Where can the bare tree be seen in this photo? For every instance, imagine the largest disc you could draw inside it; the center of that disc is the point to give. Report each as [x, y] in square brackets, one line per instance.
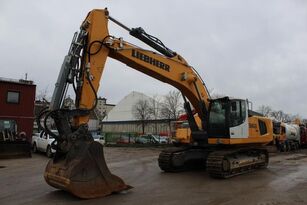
[141, 112]
[281, 116]
[172, 106]
[287, 117]
[296, 119]
[276, 114]
[42, 95]
[265, 110]
[154, 109]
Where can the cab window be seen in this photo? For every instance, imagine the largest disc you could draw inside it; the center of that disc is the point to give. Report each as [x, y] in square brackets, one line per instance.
[217, 119]
[237, 112]
[217, 113]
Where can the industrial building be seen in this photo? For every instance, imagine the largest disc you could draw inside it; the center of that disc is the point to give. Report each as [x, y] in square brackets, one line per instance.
[121, 118]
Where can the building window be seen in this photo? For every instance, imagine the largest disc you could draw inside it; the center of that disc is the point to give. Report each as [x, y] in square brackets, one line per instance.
[12, 97]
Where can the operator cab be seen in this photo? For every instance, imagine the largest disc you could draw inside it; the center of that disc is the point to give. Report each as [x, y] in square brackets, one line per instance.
[228, 118]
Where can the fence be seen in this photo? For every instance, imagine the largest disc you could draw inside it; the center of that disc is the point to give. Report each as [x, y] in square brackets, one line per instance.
[120, 137]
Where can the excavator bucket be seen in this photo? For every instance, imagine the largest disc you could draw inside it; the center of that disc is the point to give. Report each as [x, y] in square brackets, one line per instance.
[83, 172]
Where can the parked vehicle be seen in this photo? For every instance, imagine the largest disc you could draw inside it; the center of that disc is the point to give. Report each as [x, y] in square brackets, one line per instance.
[287, 136]
[160, 139]
[303, 132]
[145, 139]
[151, 139]
[42, 142]
[125, 140]
[98, 137]
[141, 140]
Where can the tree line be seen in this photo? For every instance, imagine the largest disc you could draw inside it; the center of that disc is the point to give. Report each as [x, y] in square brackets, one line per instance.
[279, 115]
[170, 107]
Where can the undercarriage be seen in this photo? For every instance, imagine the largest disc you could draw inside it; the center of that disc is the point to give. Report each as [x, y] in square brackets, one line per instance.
[220, 162]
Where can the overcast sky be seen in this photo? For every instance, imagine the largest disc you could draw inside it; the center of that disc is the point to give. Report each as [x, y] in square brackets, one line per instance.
[248, 49]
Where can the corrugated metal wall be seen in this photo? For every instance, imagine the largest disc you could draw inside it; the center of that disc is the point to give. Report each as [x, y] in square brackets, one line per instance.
[162, 127]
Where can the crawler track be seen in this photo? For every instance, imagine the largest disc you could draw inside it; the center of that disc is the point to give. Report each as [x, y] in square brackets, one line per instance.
[223, 163]
[226, 164]
[182, 158]
[167, 158]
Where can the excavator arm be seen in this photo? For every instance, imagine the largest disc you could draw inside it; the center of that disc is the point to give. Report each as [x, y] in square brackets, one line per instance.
[98, 45]
[170, 68]
[79, 166]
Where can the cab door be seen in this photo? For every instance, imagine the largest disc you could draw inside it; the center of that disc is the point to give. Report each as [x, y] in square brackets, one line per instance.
[238, 123]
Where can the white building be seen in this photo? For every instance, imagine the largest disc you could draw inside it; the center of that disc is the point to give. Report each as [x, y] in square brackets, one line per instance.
[122, 119]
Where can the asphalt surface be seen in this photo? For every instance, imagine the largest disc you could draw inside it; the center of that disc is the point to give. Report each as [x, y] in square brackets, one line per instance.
[283, 182]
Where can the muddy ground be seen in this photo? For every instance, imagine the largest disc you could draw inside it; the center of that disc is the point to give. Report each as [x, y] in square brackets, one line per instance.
[283, 182]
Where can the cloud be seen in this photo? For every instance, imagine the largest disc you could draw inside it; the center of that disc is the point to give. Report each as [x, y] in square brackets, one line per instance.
[248, 49]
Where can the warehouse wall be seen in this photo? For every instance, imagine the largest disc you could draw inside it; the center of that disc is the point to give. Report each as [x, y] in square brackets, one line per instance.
[133, 126]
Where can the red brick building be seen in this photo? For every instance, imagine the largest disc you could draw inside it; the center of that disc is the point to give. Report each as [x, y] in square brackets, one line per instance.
[17, 105]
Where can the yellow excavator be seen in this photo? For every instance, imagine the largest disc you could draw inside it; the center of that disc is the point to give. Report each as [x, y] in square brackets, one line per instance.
[227, 139]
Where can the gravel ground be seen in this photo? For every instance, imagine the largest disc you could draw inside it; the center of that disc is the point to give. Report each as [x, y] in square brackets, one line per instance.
[283, 182]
